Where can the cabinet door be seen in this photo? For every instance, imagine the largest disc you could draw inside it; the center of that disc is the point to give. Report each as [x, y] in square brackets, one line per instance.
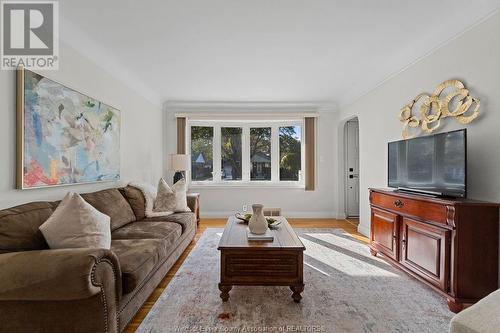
[384, 232]
[425, 251]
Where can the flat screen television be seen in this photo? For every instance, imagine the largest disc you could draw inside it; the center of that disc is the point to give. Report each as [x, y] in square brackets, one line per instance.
[434, 164]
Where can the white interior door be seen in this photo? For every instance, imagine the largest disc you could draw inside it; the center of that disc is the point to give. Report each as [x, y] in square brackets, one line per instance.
[352, 168]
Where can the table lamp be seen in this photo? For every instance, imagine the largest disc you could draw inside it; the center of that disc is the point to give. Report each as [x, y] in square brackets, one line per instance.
[179, 163]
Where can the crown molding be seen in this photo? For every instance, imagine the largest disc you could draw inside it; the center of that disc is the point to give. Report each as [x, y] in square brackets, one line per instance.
[222, 108]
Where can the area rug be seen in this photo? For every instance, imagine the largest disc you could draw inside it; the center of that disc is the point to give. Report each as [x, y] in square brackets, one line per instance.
[346, 290]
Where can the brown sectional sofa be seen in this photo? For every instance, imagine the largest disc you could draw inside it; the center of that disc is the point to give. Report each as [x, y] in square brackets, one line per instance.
[86, 290]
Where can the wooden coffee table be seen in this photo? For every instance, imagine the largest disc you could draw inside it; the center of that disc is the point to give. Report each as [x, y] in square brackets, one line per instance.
[257, 263]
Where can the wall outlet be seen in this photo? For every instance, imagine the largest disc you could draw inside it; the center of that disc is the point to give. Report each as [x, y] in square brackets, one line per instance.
[245, 207]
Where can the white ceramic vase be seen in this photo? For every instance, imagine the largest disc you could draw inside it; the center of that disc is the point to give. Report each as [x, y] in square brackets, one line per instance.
[257, 223]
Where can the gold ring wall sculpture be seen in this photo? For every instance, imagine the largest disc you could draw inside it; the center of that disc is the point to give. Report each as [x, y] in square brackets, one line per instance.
[433, 108]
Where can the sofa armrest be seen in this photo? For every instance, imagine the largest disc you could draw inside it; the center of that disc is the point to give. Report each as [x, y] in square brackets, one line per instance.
[479, 317]
[58, 275]
[193, 201]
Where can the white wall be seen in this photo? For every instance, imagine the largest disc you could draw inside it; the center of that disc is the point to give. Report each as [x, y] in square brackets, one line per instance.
[141, 128]
[224, 201]
[473, 58]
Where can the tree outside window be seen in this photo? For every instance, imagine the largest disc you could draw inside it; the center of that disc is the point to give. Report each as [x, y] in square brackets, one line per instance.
[202, 153]
[231, 153]
[260, 153]
[290, 152]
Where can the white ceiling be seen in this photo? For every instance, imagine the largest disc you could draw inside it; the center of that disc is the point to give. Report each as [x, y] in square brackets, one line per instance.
[262, 50]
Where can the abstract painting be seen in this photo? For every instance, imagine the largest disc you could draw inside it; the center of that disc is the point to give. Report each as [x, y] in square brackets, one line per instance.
[63, 137]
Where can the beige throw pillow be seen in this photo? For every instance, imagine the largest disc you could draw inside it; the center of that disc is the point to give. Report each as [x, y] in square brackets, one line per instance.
[165, 198]
[171, 199]
[76, 224]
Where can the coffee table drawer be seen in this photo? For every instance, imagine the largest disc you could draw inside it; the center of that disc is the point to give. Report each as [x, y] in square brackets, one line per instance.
[261, 265]
[260, 268]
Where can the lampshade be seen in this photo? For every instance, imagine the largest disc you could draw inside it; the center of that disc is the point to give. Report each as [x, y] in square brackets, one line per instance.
[178, 162]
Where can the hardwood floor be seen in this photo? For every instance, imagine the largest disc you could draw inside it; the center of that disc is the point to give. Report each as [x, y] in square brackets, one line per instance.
[349, 226]
[354, 220]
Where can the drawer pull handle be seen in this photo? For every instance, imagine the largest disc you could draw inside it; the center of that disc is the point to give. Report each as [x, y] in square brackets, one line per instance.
[398, 203]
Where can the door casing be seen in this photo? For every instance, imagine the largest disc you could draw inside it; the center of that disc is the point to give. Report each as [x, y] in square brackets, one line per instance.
[351, 168]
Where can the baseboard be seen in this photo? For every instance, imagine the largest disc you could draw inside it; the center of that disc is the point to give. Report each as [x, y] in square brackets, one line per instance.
[364, 230]
[341, 216]
[318, 215]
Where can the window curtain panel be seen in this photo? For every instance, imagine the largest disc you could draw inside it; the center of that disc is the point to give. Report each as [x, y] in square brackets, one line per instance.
[181, 135]
[310, 147]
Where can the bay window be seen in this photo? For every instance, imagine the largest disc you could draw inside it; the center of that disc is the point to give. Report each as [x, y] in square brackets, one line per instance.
[246, 152]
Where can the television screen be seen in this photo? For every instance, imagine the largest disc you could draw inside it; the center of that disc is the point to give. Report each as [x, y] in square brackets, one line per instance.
[434, 164]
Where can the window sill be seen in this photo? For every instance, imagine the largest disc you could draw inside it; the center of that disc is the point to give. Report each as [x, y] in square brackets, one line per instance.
[259, 185]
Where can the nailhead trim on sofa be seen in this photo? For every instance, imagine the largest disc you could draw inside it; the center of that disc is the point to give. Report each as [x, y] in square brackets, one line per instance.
[103, 295]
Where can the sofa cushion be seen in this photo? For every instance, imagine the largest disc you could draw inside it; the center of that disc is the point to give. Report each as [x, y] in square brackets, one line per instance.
[77, 224]
[138, 258]
[184, 219]
[169, 231]
[136, 200]
[19, 227]
[180, 189]
[112, 203]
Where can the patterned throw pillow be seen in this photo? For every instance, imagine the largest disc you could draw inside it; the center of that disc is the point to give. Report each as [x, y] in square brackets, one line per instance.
[171, 199]
[76, 224]
[165, 198]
